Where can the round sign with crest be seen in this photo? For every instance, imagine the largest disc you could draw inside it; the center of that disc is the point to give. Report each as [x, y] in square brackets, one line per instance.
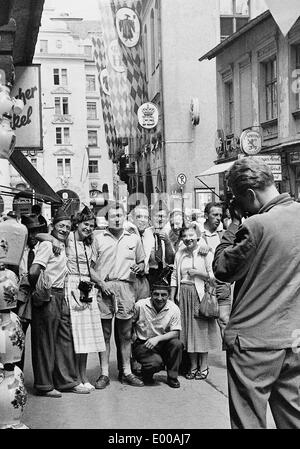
[128, 26]
[181, 179]
[251, 142]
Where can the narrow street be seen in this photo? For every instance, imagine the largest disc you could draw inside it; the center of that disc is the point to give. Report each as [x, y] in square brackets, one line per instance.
[196, 405]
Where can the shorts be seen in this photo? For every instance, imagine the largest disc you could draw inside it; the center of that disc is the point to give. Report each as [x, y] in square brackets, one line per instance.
[123, 294]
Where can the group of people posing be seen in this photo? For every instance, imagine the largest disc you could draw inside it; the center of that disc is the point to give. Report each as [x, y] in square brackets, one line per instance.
[144, 273]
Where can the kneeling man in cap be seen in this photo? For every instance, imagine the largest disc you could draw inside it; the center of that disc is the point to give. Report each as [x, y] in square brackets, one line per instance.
[157, 324]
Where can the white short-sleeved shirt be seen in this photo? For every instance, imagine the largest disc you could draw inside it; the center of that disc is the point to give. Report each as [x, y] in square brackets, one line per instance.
[55, 266]
[113, 256]
[150, 323]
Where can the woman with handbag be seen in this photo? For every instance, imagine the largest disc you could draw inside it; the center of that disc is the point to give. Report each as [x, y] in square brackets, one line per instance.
[81, 293]
[190, 279]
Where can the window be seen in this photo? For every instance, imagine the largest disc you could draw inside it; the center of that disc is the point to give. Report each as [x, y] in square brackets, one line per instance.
[296, 76]
[58, 43]
[56, 76]
[234, 14]
[57, 105]
[87, 49]
[152, 42]
[93, 166]
[146, 51]
[64, 167]
[65, 106]
[61, 105]
[270, 69]
[91, 111]
[90, 83]
[229, 105]
[92, 138]
[62, 136]
[43, 46]
[58, 136]
[64, 80]
[60, 77]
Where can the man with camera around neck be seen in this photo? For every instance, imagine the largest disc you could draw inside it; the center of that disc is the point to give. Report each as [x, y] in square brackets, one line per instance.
[53, 357]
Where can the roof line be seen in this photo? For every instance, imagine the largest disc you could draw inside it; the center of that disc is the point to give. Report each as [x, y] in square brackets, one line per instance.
[212, 53]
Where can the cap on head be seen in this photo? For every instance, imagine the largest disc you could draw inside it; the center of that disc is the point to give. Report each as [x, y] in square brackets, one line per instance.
[160, 284]
[60, 216]
[31, 221]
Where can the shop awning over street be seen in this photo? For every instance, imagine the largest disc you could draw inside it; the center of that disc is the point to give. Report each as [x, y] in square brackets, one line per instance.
[42, 190]
[217, 168]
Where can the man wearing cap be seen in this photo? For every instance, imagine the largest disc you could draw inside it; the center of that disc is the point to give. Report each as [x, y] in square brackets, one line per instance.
[24, 294]
[157, 325]
[53, 356]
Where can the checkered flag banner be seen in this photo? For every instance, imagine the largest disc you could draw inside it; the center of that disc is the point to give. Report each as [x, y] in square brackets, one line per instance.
[108, 118]
[127, 19]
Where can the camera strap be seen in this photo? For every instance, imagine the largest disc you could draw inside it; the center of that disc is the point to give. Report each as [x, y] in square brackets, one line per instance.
[77, 259]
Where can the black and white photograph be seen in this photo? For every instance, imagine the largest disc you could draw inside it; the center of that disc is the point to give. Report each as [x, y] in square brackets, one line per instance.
[149, 218]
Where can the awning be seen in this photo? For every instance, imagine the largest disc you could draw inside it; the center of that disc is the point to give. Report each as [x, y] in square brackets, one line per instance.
[42, 190]
[217, 168]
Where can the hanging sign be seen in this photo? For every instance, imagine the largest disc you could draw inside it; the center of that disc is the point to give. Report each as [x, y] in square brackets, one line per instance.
[28, 125]
[128, 26]
[251, 142]
[148, 115]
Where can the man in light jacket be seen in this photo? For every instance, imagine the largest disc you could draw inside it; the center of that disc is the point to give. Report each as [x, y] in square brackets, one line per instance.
[263, 256]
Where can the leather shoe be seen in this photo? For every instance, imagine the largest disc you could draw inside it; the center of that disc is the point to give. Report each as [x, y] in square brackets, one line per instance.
[49, 394]
[102, 382]
[173, 383]
[132, 380]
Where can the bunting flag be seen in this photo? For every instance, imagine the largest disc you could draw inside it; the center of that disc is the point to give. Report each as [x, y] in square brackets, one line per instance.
[108, 118]
[127, 15]
[285, 14]
[117, 80]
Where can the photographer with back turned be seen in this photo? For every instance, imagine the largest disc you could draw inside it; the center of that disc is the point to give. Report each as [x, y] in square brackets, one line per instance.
[262, 255]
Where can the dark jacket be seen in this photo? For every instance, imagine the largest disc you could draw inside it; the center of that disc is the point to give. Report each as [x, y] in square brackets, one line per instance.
[263, 256]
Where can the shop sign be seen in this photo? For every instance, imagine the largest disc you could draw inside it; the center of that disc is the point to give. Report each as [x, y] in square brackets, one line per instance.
[148, 115]
[274, 162]
[28, 125]
[251, 142]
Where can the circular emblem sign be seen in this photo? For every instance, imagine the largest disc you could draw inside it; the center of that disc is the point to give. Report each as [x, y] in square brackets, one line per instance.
[251, 142]
[128, 26]
[115, 56]
[104, 81]
[181, 179]
[148, 115]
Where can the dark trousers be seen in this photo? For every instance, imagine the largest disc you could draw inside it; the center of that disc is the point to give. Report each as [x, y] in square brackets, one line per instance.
[166, 353]
[256, 377]
[53, 356]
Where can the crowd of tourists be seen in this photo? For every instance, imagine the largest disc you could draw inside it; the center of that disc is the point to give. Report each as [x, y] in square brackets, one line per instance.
[146, 276]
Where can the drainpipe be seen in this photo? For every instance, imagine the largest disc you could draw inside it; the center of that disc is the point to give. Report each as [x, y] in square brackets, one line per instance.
[161, 81]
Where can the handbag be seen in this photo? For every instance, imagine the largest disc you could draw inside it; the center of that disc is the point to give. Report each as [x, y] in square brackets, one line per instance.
[208, 307]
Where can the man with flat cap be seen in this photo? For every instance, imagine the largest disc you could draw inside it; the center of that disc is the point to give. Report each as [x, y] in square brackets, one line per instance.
[53, 356]
[157, 324]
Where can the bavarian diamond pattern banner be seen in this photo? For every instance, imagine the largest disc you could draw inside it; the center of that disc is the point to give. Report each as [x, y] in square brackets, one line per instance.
[119, 87]
[127, 15]
[108, 117]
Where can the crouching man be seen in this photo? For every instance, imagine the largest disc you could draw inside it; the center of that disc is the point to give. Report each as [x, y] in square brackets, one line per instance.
[157, 324]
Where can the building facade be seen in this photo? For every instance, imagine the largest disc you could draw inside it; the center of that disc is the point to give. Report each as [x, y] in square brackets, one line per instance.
[75, 159]
[258, 89]
[185, 92]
